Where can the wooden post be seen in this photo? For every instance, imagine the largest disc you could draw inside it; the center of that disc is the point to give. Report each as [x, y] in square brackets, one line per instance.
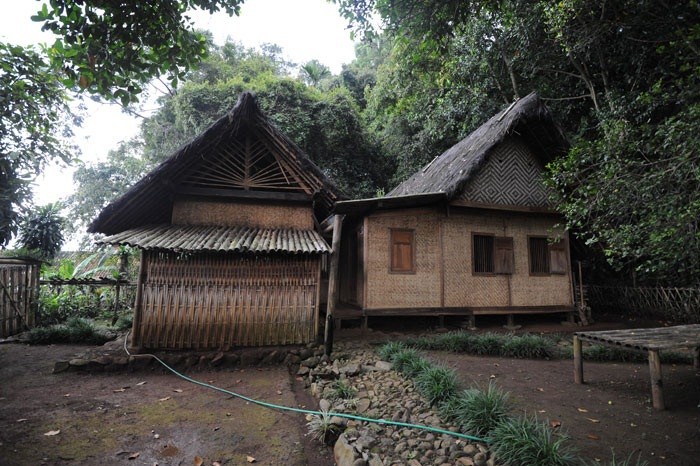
[333, 281]
[578, 361]
[657, 395]
[138, 305]
[696, 358]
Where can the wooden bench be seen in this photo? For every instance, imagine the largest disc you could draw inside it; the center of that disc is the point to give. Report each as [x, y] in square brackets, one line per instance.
[649, 340]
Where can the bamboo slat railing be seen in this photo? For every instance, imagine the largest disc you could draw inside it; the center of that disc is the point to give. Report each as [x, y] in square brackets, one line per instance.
[680, 305]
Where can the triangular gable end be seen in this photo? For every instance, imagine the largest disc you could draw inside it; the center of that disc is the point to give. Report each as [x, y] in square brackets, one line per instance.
[511, 176]
[245, 162]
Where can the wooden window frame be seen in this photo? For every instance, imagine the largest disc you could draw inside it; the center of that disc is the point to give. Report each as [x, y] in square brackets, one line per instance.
[392, 241]
[500, 245]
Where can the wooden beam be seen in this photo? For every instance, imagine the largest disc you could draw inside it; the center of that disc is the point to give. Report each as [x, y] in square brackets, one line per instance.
[509, 208]
[333, 281]
[241, 194]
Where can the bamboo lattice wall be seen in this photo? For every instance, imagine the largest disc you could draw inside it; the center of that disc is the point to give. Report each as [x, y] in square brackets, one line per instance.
[19, 285]
[679, 305]
[208, 301]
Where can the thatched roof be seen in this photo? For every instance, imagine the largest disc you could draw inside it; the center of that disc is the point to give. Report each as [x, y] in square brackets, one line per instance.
[448, 173]
[150, 200]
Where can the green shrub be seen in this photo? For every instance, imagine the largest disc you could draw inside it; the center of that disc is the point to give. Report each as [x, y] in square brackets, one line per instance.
[436, 383]
[477, 412]
[524, 441]
[124, 322]
[75, 330]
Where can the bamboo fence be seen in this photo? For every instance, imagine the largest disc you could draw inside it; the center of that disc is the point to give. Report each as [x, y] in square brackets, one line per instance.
[19, 286]
[208, 301]
[680, 305]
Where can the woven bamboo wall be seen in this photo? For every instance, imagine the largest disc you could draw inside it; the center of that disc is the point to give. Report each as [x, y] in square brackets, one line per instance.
[401, 290]
[209, 301]
[462, 288]
[250, 214]
[454, 262]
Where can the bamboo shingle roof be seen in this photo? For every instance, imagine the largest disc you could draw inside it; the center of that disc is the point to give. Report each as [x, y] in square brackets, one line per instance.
[448, 173]
[283, 170]
[198, 238]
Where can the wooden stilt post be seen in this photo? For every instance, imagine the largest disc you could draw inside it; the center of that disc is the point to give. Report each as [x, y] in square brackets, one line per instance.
[696, 358]
[578, 361]
[657, 394]
[333, 282]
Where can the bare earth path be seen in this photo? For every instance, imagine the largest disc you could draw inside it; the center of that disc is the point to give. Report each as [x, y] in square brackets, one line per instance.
[150, 417]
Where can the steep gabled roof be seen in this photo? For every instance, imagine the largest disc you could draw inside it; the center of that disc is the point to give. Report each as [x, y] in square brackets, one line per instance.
[273, 163]
[448, 173]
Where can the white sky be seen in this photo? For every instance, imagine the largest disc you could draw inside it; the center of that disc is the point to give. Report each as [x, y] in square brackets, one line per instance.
[305, 29]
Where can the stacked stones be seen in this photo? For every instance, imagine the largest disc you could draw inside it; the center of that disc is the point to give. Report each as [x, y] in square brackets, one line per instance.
[381, 393]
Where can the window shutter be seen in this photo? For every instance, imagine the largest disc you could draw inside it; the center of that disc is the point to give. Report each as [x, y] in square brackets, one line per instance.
[402, 253]
[504, 262]
[557, 257]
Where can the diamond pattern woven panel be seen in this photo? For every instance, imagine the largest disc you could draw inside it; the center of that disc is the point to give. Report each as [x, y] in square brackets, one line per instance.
[510, 176]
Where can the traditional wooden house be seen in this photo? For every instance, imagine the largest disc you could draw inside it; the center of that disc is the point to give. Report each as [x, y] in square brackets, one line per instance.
[227, 227]
[471, 233]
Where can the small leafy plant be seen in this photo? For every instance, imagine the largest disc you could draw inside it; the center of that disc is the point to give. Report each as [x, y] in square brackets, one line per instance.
[322, 429]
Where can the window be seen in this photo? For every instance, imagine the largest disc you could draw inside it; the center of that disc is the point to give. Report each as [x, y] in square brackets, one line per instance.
[547, 257]
[483, 254]
[539, 255]
[402, 251]
[492, 254]
[557, 256]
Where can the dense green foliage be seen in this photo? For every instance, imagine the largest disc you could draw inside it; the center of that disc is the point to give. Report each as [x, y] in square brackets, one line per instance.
[33, 117]
[114, 48]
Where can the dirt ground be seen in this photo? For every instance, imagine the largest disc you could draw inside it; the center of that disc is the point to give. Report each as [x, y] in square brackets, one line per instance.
[109, 418]
[145, 418]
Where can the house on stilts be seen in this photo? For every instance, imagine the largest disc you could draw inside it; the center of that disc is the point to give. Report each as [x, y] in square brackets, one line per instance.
[228, 229]
[471, 233]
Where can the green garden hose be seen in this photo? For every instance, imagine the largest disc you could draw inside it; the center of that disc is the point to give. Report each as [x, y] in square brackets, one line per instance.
[307, 411]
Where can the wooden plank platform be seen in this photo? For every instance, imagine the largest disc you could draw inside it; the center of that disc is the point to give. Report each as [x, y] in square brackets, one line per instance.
[649, 340]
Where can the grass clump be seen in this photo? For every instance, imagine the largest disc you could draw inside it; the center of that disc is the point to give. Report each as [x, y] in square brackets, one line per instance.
[405, 358]
[524, 441]
[436, 383]
[322, 429]
[341, 390]
[388, 350]
[477, 412]
[629, 461]
[528, 346]
[75, 330]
